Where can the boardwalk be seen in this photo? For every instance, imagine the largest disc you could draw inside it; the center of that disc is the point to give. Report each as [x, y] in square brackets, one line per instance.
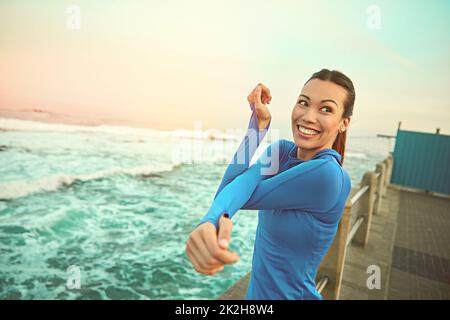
[421, 256]
[409, 241]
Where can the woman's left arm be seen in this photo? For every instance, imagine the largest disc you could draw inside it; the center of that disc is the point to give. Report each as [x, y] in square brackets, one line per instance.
[311, 185]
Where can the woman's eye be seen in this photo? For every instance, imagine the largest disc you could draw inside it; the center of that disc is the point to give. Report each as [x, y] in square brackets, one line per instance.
[302, 103]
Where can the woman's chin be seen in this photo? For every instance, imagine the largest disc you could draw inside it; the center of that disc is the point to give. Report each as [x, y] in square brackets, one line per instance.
[304, 141]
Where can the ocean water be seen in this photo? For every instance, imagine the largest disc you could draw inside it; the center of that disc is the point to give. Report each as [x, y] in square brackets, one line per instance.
[116, 204]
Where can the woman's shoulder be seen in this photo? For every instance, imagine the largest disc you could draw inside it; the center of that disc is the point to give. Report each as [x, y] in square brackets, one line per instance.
[281, 146]
[282, 142]
[285, 145]
[336, 177]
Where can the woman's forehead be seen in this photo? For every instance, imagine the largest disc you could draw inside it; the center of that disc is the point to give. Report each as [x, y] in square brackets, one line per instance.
[318, 90]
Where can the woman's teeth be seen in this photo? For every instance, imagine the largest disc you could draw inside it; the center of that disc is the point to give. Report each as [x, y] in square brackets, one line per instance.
[307, 131]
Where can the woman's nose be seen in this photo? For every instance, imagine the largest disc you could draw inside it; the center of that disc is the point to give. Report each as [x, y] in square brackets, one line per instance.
[309, 115]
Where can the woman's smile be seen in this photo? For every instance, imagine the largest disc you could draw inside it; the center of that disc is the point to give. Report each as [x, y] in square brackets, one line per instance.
[306, 133]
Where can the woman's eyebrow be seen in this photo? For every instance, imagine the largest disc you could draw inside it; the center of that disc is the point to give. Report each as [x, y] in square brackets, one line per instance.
[326, 100]
[304, 96]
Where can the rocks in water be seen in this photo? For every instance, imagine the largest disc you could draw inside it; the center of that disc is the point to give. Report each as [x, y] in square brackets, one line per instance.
[151, 175]
[5, 148]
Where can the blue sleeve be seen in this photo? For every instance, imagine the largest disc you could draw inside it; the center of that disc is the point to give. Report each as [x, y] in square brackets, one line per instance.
[310, 186]
[313, 186]
[245, 152]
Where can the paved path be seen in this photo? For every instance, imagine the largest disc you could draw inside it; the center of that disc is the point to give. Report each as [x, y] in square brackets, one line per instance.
[378, 252]
[421, 256]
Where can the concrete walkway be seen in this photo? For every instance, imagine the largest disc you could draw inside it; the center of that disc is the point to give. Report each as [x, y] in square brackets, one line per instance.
[378, 252]
[421, 256]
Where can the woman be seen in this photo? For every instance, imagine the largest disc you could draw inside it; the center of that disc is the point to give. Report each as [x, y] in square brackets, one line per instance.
[300, 198]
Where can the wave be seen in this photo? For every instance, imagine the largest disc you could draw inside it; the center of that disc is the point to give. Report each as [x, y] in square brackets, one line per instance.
[8, 124]
[19, 189]
[204, 135]
[356, 155]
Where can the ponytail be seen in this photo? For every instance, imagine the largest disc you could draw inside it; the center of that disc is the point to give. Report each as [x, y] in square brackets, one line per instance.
[339, 144]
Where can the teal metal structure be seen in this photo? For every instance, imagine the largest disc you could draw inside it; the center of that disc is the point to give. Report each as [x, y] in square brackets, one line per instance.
[422, 160]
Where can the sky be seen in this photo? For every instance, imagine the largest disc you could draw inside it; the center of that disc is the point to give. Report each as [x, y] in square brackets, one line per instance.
[171, 64]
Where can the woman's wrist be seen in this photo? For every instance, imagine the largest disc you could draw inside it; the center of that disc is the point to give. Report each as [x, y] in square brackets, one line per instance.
[262, 124]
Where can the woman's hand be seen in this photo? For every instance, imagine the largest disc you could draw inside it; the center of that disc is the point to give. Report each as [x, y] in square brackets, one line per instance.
[207, 250]
[258, 99]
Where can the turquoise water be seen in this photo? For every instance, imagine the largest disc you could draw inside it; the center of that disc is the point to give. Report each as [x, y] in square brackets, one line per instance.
[117, 203]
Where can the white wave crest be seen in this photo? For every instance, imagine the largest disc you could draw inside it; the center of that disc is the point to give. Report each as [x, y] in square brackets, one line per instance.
[28, 125]
[8, 124]
[18, 189]
[356, 155]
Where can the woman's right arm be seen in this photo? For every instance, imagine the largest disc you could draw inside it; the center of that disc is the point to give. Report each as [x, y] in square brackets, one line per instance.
[247, 148]
[257, 127]
[202, 246]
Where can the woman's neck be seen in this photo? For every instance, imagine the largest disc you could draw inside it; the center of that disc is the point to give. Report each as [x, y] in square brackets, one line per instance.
[307, 154]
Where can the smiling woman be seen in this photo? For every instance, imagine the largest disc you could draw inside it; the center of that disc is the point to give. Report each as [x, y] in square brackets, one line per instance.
[300, 202]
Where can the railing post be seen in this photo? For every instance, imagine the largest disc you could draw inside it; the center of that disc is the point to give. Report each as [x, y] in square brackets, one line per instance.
[389, 165]
[381, 168]
[385, 182]
[332, 266]
[366, 209]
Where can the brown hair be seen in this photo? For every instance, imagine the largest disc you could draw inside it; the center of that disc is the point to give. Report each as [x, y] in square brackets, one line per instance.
[341, 80]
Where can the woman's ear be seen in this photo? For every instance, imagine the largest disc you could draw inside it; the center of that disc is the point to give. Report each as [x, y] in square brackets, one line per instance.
[345, 123]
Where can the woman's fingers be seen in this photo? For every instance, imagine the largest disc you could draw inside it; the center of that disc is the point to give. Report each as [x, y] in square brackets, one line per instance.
[262, 111]
[257, 96]
[266, 97]
[225, 229]
[193, 259]
[204, 257]
[204, 252]
[218, 269]
[223, 255]
[199, 256]
[250, 98]
[192, 256]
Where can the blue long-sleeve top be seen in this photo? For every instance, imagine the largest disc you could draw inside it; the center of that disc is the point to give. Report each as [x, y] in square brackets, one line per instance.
[300, 204]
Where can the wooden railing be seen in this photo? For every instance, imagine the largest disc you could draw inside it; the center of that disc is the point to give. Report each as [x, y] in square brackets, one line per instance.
[363, 201]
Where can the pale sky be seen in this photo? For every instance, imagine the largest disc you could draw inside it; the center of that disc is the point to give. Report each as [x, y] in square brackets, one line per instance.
[168, 64]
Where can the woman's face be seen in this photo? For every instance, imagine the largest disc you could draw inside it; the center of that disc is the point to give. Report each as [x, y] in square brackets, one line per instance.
[319, 107]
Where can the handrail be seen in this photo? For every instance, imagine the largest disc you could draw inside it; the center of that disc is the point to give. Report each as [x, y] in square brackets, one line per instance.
[333, 268]
[355, 227]
[359, 194]
[321, 284]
